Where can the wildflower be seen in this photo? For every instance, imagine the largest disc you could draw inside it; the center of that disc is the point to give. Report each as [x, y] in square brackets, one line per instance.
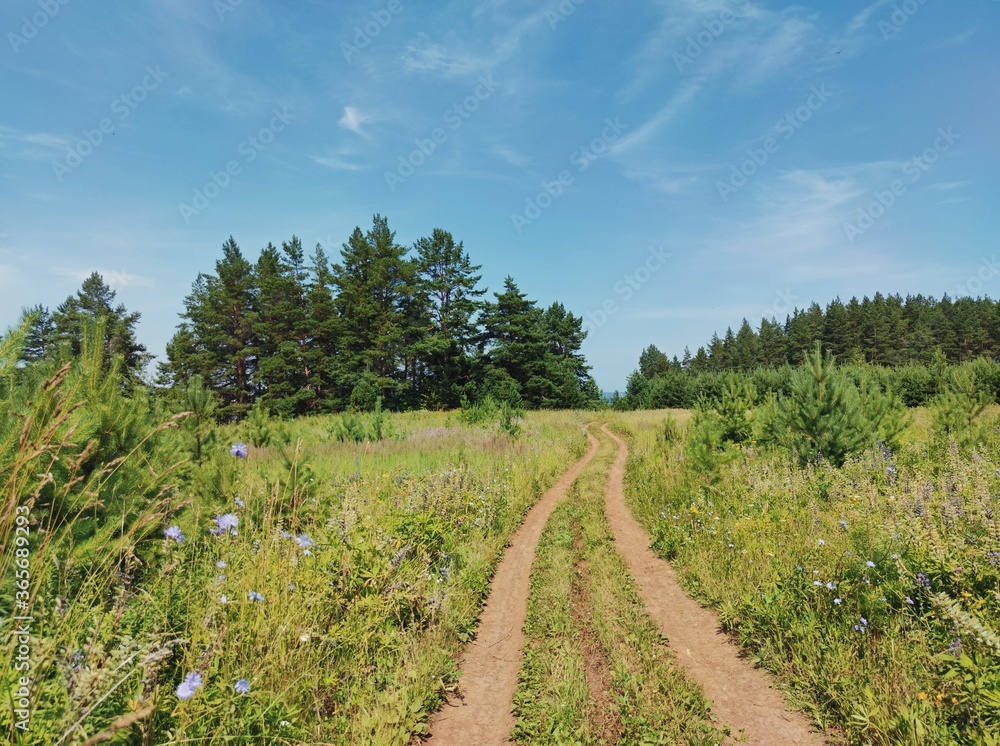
[869, 563]
[843, 525]
[831, 585]
[221, 564]
[239, 450]
[304, 541]
[254, 596]
[240, 503]
[817, 583]
[224, 523]
[224, 599]
[994, 558]
[838, 601]
[242, 686]
[187, 688]
[922, 696]
[822, 543]
[909, 601]
[955, 648]
[923, 580]
[174, 532]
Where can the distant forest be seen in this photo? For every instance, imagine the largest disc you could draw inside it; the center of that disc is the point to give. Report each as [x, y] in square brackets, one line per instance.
[406, 327]
[902, 343]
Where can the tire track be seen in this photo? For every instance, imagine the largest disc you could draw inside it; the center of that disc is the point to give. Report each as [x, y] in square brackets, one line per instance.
[742, 696]
[480, 715]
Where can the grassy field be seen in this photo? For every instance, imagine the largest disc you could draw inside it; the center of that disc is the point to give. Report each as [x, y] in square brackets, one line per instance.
[314, 592]
[870, 590]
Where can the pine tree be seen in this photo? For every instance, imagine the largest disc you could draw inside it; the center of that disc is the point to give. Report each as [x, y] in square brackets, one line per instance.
[448, 293]
[653, 363]
[375, 284]
[92, 306]
[39, 335]
[216, 340]
[516, 345]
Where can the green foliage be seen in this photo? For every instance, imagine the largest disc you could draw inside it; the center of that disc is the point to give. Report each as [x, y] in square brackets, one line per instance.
[826, 416]
[354, 427]
[510, 418]
[958, 406]
[706, 448]
[199, 425]
[735, 410]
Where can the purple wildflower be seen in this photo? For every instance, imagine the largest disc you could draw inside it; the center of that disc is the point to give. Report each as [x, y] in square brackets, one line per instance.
[239, 450]
[304, 541]
[242, 686]
[831, 585]
[174, 532]
[187, 688]
[221, 564]
[254, 596]
[923, 580]
[955, 648]
[869, 563]
[224, 523]
[822, 543]
[909, 601]
[838, 601]
[240, 503]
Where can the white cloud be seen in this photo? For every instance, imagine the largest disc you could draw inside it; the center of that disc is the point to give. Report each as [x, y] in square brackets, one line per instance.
[336, 163]
[861, 18]
[117, 279]
[353, 119]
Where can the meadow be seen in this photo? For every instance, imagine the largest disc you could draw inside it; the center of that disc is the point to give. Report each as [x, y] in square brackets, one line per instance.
[170, 580]
[311, 590]
[870, 590]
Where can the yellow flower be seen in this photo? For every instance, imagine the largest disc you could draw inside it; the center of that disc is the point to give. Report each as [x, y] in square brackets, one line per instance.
[922, 696]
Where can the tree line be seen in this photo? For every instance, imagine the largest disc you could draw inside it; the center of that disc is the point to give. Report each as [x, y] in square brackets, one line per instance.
[409, 327]
[882, 330]
[903, 345]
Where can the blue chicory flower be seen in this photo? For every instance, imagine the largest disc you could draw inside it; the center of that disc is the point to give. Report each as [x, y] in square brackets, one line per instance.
[225, 523]
[187, 688]
[174, 532]
[242, 686]
[239, 450]
[254, 596]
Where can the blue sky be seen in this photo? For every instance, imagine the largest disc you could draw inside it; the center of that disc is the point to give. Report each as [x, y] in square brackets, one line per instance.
[663, 168]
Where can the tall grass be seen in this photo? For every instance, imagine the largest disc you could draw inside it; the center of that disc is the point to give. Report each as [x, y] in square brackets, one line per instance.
[316, 591]
[872, 590]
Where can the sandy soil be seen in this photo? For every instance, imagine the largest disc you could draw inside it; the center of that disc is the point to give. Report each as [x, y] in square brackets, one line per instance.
[742, 696]
[480, 715]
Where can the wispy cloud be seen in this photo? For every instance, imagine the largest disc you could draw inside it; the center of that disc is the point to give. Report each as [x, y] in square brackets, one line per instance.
[336, 163]
[352, 120]
[117, 279]
[33, 145]
[861, 19]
